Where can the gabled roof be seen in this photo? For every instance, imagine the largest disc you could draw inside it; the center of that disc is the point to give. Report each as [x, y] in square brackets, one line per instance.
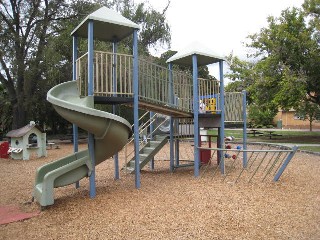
[107, 25]
[205, 55]
[23, 131]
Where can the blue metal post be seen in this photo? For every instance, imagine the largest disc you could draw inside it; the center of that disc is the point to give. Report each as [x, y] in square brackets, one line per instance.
[285, 164]
[151, 137]
[244, 104]
[177, 163]
[90, 93]
[196, 115]
[222, 144]
[74, 78]
[136, 107]
[171, 93]
[114, 107]
[171, 101]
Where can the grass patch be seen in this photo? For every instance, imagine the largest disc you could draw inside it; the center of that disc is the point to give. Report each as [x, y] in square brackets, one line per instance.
[289, 136]
[310, 148]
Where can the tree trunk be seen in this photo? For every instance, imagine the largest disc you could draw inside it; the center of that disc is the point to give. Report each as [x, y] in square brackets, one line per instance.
[310, 125]
[19, 114]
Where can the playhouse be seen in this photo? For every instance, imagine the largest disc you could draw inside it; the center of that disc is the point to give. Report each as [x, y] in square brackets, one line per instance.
[26, 141]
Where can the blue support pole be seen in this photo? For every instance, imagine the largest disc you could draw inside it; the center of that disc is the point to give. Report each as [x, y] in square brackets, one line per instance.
[151, 138]
[114, 107]
[90, 58]
[136, 107]
[74, 78]
[171, 93]
[196, 115]
[171, 101]
[177, 152]
[171, 145]
[92, 178]
[222, 143]
[244, 104]
[285, 164]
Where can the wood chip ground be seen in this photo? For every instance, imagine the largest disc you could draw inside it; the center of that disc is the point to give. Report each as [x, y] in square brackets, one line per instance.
[168, 205]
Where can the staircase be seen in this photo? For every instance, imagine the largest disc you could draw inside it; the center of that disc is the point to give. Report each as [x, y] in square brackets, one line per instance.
[147, 152]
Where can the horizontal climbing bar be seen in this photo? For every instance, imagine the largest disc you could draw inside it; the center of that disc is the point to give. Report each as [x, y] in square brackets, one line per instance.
[246, 150]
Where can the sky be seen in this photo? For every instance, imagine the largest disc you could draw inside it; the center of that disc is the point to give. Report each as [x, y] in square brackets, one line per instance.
[218, 25]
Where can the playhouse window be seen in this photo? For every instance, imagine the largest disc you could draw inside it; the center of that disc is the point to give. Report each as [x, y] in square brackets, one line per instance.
[33, 140]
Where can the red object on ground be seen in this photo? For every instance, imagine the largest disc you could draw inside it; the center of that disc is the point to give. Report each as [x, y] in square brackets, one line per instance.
[205, 156]
[4, 147]
[11, 213]
[234, 156]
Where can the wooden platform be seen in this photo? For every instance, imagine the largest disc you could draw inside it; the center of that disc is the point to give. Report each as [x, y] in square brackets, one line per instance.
[170, 111]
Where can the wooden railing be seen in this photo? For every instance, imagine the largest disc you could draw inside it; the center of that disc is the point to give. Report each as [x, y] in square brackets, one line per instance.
[154, 83]
[113, 77]
[233, 107]
[106, 65]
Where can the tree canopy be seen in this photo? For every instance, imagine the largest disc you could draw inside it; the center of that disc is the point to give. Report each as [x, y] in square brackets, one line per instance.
[282, 69]
[36, 50]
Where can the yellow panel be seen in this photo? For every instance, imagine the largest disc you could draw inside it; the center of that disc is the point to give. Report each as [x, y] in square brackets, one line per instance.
[210, 105]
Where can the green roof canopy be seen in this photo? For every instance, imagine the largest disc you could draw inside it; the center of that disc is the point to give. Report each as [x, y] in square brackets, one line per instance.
[108, 25]
[205, 56]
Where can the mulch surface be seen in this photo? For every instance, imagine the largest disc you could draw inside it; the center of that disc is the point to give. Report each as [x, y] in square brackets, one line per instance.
[168, 205]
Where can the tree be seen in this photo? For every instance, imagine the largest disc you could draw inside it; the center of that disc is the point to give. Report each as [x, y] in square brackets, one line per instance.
[260, 116]
[279, 73]
[308, 110]
[288, 47]
[35, 48]
[25, 27]
[5, 116]
[312, 13]
[242, 75]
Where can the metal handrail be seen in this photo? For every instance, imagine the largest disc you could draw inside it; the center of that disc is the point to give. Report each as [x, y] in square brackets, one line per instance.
[141, 144]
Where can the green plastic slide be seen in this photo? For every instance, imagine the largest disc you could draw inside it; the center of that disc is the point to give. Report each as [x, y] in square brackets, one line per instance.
[111, 133]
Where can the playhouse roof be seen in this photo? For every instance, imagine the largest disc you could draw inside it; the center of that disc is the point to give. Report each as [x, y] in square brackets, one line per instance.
[205, 55]
[23, 131]
[108, 25]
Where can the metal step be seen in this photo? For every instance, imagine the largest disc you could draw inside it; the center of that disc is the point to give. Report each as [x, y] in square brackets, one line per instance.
[147, 152]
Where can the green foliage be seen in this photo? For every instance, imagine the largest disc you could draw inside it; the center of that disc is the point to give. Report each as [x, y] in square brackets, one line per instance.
[308, 110]
[36, 51]
[288, 52]
[291, 89]
[242, 74]
[25, 29]
[285, 62]
[260, 117]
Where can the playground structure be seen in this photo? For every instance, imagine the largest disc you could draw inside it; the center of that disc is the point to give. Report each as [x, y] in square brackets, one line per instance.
[26, 141]
[115, 78]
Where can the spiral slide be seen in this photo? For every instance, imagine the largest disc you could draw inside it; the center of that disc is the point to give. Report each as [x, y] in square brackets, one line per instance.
[111, 133]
